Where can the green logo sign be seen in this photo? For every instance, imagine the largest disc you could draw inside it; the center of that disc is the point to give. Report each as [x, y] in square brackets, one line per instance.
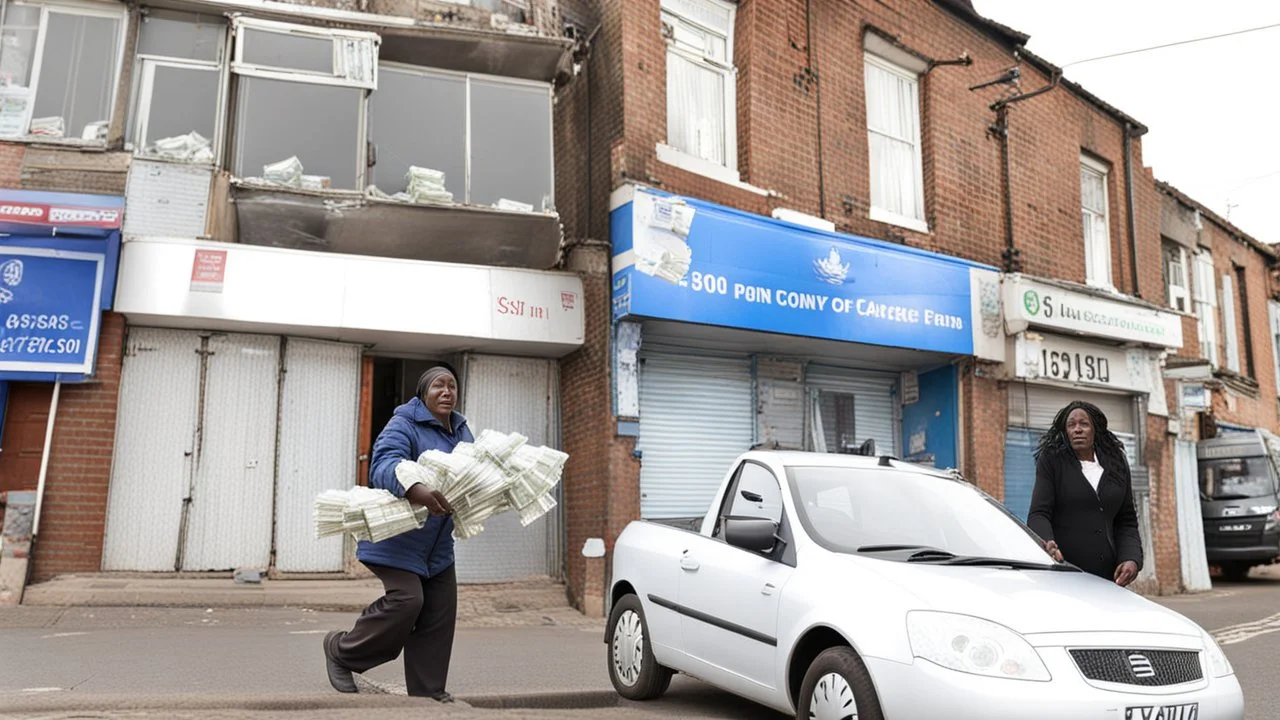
[1031, 301]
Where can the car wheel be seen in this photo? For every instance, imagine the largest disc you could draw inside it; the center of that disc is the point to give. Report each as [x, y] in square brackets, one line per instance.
[1236, 571]
[838, 687]
[632, 668]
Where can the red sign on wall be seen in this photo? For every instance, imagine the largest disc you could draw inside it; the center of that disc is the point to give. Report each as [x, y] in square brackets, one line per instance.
[208, 270]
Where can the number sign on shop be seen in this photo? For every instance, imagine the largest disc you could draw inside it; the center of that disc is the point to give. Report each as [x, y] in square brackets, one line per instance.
[1075, 366]
[48, 310]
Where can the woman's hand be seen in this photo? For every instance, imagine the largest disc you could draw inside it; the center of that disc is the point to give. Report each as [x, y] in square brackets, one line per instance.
[1126, 572]
[1052, 548]
[433, 500]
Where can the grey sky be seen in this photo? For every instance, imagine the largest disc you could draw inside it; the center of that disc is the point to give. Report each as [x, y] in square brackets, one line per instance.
[1212, 107]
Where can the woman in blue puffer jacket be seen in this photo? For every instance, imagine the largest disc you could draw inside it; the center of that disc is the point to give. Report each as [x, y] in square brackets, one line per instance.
[419, 609]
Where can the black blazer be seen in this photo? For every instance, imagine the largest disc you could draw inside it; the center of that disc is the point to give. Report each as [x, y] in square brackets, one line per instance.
[1095, 531]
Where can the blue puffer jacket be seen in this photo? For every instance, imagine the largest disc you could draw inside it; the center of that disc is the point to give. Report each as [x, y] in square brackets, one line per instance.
[412, 431]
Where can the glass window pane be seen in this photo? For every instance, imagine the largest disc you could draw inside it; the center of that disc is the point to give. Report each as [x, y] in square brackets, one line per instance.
[419, 120]
[183, 100]
[510, 143]
[77, 72]
[696, 109]
[195, 37]
[18, 45]
[281, 50]
[320, 124]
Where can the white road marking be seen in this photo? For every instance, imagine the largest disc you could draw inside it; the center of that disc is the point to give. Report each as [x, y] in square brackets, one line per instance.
[1233, 634]
[41, 690]
[63, 634]
[307, 632]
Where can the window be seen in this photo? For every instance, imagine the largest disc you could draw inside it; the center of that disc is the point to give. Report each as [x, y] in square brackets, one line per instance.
[1175, 277]
[1097, 234]
[179, 66]
[1206, 306]
[1273, 311]
[58, 71]
[301, 96]
[893, 139]
[1246, 323]
[701, 93]
[1229, 323]
[496, 149]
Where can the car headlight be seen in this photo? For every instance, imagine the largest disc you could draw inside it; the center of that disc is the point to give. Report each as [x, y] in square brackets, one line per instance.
[1219, 665]
[1272, 521]
[973, 645]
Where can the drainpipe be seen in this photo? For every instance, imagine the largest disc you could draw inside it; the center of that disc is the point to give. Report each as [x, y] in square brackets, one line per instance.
[1128, 196]
[44, 460]
[1012, 263]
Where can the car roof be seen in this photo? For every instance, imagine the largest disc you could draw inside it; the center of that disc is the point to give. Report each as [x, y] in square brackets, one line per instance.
[795, 458]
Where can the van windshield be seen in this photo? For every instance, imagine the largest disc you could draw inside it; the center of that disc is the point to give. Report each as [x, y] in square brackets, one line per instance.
[1236, 478]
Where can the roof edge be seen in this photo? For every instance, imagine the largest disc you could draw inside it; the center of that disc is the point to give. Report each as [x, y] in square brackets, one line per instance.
[1217, 219]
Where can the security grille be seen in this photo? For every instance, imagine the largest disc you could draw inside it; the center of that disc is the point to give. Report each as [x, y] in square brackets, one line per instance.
[1148, 668]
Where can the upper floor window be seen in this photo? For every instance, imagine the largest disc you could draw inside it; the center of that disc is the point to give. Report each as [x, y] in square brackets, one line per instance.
[1206, 306]
[1273, 317]
[701, 92]
[179, 86]
[1177, 286]
[59, 67]
[893, 139]
[1229, 331]
[1097, 233]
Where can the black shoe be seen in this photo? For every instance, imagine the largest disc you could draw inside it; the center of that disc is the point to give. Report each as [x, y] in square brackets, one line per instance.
[442, 697]
[339, 677]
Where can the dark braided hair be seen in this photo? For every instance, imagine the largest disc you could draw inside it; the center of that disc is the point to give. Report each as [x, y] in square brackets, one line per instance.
[1106, 445]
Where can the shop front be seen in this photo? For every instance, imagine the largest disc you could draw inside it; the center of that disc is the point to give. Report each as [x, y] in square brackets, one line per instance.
[58, 255]
[1070, 343]
[254, 378]
[735, 331]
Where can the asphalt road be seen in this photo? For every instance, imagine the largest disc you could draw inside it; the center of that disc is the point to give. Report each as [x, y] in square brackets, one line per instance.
[249, 664]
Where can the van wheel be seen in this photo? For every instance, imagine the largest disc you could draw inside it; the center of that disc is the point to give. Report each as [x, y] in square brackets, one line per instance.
[632, 669]
[838, 687]
[1236, 571]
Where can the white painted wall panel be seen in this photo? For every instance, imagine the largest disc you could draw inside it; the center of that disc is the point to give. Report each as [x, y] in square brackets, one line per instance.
[155, 434]
[167, 199]
[319, 412]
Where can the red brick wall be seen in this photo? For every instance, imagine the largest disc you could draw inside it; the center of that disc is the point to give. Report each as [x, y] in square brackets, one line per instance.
[11, 156]
[75, 503]
[985, 418]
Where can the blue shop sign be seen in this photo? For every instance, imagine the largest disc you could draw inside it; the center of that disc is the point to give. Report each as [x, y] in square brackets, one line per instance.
[682, 259]
[58, 259]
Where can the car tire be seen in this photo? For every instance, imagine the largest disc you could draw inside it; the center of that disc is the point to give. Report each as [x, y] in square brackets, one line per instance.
[835, 678]
[635, 674]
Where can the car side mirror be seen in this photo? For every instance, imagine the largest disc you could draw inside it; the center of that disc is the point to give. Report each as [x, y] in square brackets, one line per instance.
[754, 534]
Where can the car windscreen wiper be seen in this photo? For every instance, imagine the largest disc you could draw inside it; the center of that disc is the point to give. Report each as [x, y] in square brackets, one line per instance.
[895, 548]
[930, 556]
[978, 561]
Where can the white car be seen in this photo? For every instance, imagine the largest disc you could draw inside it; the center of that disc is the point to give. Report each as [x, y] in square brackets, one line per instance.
[840, 586]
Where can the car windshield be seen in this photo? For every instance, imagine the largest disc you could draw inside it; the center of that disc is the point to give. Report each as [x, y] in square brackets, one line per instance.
[1236, 478]
[851, 510]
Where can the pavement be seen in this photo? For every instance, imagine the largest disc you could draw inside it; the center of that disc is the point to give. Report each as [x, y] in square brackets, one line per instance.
[266, 662]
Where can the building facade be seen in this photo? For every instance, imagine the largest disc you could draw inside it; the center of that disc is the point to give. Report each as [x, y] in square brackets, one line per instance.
[736, 152]
[311, 203]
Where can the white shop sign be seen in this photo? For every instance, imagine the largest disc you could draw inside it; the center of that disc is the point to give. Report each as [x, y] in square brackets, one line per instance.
[1052, 357]
[1031, 303]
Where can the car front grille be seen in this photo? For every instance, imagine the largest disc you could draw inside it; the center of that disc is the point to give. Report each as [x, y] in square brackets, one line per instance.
[1148, 668]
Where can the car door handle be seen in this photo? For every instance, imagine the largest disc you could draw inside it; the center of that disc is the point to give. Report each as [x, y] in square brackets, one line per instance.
[768, 589]
[689, 564]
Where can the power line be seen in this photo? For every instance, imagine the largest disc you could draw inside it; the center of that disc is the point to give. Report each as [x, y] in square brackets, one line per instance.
[1174, 44]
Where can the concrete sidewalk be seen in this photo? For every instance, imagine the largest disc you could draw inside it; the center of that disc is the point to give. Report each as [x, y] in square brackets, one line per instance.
[538, 601]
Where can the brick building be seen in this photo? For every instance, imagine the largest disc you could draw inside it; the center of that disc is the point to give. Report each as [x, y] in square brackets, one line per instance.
[320, 199]
[895, 127]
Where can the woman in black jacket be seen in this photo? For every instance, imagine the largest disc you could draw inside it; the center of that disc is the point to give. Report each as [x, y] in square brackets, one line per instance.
[1082, 504]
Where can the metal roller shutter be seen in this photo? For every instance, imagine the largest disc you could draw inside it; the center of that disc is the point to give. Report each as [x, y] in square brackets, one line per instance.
[696, 416]
[874, 402]
[1020, 469]
[511, 394]
[1035, 406]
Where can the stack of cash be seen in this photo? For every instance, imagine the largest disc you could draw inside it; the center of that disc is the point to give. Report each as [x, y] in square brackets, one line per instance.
[497, 473]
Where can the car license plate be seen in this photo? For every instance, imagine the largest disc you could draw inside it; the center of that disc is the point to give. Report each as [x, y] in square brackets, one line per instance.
[1236, 528]
[1189, 711]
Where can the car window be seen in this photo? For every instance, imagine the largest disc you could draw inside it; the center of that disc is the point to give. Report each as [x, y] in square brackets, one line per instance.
[757, 494]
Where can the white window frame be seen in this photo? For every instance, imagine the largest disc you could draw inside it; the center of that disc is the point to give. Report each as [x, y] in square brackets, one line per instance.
[68, 7]
[1273, 313]
[1231, 338]
[671, 155]
[883, 56]
[1175, 291]
[343, 74]
[145, 85]
[1088, 164]
[467, 77]
[1205, 304]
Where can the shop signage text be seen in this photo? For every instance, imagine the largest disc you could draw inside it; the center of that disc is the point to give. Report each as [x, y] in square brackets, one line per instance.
[1028, 302]
[719, 266]
[208, 270]
[1067, 360]
[48, 310]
